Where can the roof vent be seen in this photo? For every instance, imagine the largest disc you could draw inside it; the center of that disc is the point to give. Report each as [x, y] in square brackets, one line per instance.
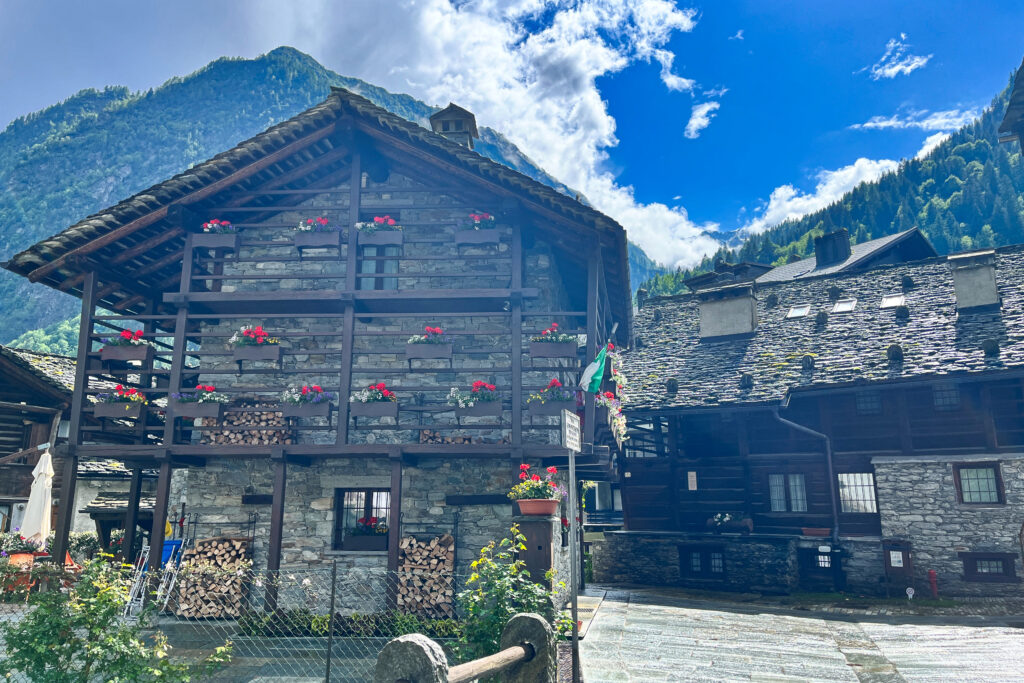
[657, 316]
[746, 381]
[772, 301]
[727, 311]
[991, 348]
[821, 319]
[894, 353]
[456, 124]
[907, 283]
[974, 279]
[832, 248]
[672, 386]
[641, 297]
[807, 363]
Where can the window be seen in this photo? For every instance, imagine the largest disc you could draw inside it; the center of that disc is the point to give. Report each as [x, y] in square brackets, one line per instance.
[376, 261]
[946, 396]
[978, 483]
[702, 562]
[857, 492]
[446, 126]
[868, 402]
[892, 301]
[824, 561]
[5, 517]
[361, 519]
[844, 306]
[990, 567]
[691, 481]
[798, 311]
[788, 492]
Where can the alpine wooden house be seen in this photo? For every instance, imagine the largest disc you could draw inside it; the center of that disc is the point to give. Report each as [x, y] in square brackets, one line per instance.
[343, 303]
[847, 430]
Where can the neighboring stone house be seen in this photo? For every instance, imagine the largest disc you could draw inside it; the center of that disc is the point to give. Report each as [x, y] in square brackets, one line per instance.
[343, 303]
[859, 429]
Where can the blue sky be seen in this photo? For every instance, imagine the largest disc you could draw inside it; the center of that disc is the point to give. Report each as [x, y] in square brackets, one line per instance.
[800, 100]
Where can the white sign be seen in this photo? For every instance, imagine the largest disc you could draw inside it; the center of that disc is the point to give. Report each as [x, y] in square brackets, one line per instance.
[572, 436]
[910, 592]
[895, 558]
[691, 481]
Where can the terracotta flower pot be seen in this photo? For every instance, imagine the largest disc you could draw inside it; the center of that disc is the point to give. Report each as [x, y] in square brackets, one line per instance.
[216, 240]
[477, 237]
[538, 507]
[552, 349]
[129, 410]
[196, 409]
[25, 560]
[321, 409]
[381, 238]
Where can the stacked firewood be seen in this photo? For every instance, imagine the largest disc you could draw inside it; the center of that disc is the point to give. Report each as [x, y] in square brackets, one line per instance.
[262, 428]
[434, 436]
[425, 585]
[212, 581]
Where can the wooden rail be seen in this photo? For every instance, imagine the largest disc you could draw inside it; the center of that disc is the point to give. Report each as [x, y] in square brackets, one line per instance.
[488, 666]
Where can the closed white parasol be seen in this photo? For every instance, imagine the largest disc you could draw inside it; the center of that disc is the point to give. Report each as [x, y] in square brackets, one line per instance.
[36, 525]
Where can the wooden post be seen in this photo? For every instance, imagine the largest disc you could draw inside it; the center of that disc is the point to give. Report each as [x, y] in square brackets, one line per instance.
[177, 366]
[673, 464]
[163, 492]
[517, 334]
[348, 324]
[593, 264]
[131, 518]
[66, 511]
[394, 513]
[276, 527]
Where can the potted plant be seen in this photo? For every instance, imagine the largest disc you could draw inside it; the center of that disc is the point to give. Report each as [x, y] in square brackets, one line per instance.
[368, 534]
[316, 233]
[725, 521]
[20, 551]
[205, 401]
[479, 230]
[254, 343]
[217, 234]
[553, 344]
[376, 400]
[431, 344]
[552, 400]
[124, 402]
[126, 346]
[381, 231]
[482, 401]
[815, 531]
[307, 401]
[536, 495]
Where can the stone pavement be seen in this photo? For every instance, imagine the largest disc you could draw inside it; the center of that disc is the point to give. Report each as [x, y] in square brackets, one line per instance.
[652, 635]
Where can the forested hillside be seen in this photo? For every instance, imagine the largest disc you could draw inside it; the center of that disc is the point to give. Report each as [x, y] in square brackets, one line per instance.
[968, 193]
[88, 152]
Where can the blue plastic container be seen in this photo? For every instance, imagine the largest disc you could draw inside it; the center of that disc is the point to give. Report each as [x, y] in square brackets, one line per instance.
[169, 547]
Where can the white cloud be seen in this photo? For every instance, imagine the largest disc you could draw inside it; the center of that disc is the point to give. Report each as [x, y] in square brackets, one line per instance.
[737, 36]
[930, 143]
[897, 60]
[700, 118]
[787, 202]
[538, 88]
[715, 92]
[950, 119]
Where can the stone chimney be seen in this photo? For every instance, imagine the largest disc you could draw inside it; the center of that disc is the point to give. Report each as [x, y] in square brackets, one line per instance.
[727, 311]
[832, 248]
[456, 124]
[974, 279]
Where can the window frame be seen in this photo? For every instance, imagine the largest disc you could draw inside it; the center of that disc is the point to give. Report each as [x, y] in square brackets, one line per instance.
[787, 490]
[338, 537]
[989, 464]
[376, 263]
[839, 491]
[971, 573]
[706, 572]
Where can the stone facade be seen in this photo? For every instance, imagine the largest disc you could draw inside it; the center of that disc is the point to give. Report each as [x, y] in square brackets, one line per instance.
[918, 502]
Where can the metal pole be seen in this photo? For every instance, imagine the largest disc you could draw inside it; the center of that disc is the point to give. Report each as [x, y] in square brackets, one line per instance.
[574, 567]
[330, 621]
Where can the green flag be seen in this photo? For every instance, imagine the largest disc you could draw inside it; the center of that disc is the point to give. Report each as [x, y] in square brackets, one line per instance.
[592, 376]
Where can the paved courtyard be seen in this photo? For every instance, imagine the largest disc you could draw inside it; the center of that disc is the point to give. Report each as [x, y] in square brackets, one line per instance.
[651, 635]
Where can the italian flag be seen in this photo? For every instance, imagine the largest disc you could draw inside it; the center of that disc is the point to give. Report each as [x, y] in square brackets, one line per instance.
[592, 376]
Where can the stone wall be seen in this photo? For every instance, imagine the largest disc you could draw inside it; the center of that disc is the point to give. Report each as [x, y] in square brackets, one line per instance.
[917, 500]
[862, 562]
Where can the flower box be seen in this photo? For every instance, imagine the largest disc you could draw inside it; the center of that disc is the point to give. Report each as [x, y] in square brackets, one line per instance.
[216, 240]
[551, 407]
[745, 526]
[24, 560]
[481, 409]
[477, 237]
[552, 350]
[193, 409]
[427, 351]
[125, 409]
[374, 542]
[126, 352]
[373, 409]
[381, 238]
[320, 409]
[270, 352]
[318, 240]
[815, 531]
[538, 507]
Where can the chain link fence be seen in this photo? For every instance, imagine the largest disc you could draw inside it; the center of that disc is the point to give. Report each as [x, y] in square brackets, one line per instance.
[323, 624]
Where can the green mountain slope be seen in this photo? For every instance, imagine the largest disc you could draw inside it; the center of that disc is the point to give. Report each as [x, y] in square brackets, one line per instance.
[88, 152]
[967, 193]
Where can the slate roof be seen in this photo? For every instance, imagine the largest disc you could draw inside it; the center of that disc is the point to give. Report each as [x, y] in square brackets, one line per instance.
[1013, 119]
[56, 371]
[118, 502]
[808, 267]
[849, 349]
[108, 469]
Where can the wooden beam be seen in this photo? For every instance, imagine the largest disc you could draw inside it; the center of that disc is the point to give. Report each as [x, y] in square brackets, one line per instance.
[198, 195]
[131, 518]
[163, 494]
[348, 325]
[517, 333]
[276, 529]
[394, 514]
[590, 412]
[177, 367]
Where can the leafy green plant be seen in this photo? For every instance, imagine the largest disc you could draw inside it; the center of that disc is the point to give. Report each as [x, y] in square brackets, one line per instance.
[77, 636]
[499, 588]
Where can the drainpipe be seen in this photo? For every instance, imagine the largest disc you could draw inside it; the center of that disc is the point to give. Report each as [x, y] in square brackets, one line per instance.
[828, 459]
